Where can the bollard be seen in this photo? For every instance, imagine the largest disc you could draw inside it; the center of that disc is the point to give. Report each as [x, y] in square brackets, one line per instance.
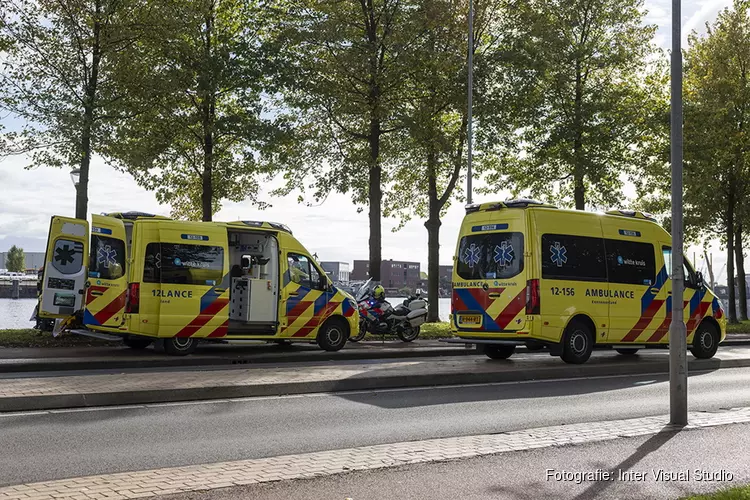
[15, 289]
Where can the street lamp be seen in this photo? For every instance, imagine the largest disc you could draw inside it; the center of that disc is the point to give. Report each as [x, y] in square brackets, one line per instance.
[677, 332]
[75, 176]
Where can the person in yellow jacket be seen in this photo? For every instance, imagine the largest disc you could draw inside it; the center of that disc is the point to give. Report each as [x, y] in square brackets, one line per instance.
[296, 271]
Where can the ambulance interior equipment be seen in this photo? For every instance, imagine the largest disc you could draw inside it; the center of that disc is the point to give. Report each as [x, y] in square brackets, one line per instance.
[254, 279]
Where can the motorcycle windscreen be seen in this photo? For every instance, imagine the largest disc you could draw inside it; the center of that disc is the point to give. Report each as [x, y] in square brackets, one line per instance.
[64, 268]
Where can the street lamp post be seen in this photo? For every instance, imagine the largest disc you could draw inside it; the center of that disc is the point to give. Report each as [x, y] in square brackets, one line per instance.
[677, 332]
[75, 176]
[470, 86]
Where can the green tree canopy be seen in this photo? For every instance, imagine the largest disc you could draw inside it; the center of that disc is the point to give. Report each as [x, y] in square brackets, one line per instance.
[198, 84]
[15, 261]
[568, 83]
[59, 76]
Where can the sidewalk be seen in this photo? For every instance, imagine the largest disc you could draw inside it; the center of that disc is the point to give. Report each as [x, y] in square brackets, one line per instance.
[38, 393]
[507, 475]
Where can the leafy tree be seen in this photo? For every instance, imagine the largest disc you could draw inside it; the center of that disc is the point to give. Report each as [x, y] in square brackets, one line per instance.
[576, 111]
[717, 114]
[15, 260]
[198, 81]
[435, 117]
[58, 75]
[347, 85]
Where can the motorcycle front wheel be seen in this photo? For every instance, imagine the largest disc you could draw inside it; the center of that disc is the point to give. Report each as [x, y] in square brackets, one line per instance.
[361, 334]
[409, 334]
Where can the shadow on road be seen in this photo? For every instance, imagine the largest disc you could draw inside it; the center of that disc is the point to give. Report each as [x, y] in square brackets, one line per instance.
[440, 395]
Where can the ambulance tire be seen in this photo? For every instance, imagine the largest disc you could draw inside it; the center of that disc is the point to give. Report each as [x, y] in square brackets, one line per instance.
[180, 346]
[705, 341]
[138, 343]
[578, 343]
[627, 351]
[333, 335]
[498, 351]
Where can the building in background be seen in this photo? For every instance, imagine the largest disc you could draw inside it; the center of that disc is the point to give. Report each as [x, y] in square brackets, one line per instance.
[394, 274]
[338, 271]
[34, 260]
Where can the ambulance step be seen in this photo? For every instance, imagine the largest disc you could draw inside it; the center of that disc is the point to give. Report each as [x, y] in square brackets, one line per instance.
[97, 335]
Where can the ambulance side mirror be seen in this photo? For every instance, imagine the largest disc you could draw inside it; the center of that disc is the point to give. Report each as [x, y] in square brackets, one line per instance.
[699, 283]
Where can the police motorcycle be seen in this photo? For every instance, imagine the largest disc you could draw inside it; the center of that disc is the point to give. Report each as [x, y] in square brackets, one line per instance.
[379, 317]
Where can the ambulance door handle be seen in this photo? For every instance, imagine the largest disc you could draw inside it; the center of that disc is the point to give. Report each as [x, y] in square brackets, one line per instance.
[97, 294]
[654, 290]
[220, 290]
[494, 295]
[293, 294]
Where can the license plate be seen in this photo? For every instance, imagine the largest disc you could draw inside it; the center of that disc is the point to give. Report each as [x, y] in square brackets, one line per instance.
[470, 320]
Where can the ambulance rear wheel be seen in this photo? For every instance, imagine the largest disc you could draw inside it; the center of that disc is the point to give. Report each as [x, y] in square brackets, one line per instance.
[578, 343]
[138, 343]
[498, 351]
[180, 346]
[627, 351]
[333, 335]
[705, 341]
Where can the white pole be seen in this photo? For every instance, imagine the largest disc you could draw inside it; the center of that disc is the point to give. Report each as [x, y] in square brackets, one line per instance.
[470, 92]
[678, 332]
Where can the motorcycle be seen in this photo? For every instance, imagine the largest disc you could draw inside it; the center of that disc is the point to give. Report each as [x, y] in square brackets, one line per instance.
[377, 318]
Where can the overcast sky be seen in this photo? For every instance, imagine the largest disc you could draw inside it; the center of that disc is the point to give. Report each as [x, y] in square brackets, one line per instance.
[334, 229]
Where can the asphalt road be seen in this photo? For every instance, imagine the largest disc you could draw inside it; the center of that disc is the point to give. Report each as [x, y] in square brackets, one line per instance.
[523, 475]
[68, 443]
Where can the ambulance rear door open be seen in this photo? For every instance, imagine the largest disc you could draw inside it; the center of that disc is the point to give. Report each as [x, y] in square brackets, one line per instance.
[65, 270]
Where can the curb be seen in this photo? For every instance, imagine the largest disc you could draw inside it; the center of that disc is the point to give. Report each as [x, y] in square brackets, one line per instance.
[169, 395]
[71, 364]
[24, 365]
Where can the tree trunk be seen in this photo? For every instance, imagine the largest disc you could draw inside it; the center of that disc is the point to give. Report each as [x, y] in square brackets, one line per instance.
[578, 170]
[741, 282]
[208, 112]
[731, 307]
[433, 241]
[82, 197]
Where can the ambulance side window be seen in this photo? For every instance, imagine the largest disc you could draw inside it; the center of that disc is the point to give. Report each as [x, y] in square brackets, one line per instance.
[686, 270]
[301, 271]
[183, 264]
[630, 262]
[575, 258]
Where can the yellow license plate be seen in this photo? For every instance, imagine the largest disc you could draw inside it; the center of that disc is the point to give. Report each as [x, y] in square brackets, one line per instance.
[470, 320]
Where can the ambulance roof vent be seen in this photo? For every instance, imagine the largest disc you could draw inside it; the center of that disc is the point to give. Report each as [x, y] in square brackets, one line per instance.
[499, 205]
[274, 225]
[632, 213]
[133, 215]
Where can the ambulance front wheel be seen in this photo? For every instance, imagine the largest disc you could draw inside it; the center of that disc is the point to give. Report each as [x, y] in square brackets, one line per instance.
[705, 341]
[578, 343]
[180, 346]
[333, 334]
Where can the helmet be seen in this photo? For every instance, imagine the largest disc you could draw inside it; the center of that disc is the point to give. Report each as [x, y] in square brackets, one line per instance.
[379, 292]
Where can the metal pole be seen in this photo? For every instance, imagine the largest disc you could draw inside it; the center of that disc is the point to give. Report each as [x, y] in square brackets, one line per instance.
[677, 332]
[470, 92]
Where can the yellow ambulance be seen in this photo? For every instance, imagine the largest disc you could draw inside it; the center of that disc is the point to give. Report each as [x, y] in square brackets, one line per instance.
[526, 273]
[152, 279]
